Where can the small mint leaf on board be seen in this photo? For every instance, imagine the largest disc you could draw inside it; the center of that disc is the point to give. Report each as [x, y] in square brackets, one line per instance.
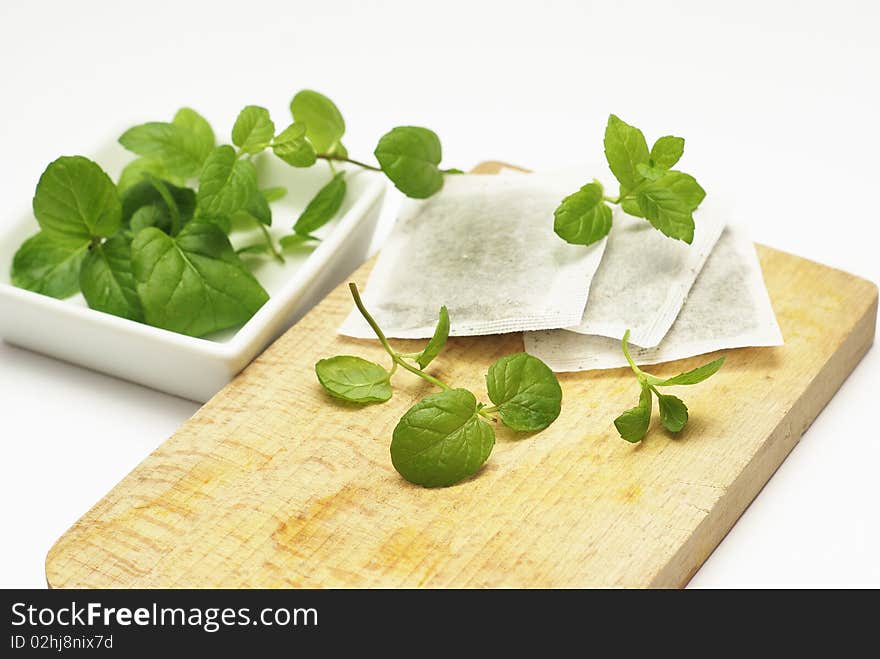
[76, 201]
[633, 424]
[583, 218]
[409, 156]
[44, 266]
[667, 151]
[292, 146]
[323, 206]
[193, 283]
[669, 202]
[673, 412]
[441, 440]
[693, 376]
[438, 340]
[625, 148]
[177, 149]
[253, 129]
[525, 391]
[107, 281]
[324, 125]
[354, 379]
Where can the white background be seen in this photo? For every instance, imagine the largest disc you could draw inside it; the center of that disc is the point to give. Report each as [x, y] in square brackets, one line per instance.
[778, 101]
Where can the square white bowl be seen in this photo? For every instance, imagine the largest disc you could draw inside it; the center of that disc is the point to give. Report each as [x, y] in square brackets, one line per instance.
[196, 368]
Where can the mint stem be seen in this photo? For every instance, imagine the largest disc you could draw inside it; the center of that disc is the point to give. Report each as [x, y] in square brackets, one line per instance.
[329, 157]
[397, 357]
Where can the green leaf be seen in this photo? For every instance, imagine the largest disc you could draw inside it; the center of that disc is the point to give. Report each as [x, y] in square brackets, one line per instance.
[651, 173]
[258, 208]
[297, 241]
[526, 392]
[76, 201]
[630, 206]
[354, 379]
[150, 216]
[669, 203]
[274, 194]
[44, 266]
[583, 217]
[438, 340]
[137, 170]
[256, 248]
[625, 147]
[633, 424]
[194, 283]
[694, 376]
[409, 156]
[323, 122]
[293, 148]
[226, 185]
[441, 440]
[253, 129]
[673, 412]
[323, 206]
[107, 281]
[667, 151]
[192, 121]
[178, 150]
[146, 193]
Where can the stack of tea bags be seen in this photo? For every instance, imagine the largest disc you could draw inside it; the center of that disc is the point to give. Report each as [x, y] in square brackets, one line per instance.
[484, 246]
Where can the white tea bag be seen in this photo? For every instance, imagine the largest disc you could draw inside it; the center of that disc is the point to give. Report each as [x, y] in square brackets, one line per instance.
[728, 307]
[645, 276]
[484, 246]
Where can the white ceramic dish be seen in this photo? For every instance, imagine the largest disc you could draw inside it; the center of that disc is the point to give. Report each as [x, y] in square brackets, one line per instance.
[182, 365]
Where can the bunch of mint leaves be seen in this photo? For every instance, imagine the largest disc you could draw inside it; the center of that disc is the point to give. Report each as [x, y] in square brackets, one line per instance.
[154, 247]
[445, 437]
[649, 188]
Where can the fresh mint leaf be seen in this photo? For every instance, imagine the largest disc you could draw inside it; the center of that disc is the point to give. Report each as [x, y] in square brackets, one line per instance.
[137, 170]
[323, 206]
[76, 201]
[694, 376]
[297, 241]
[253, 129]
[625, 148]
[274, 194]
[226, 185]
[193, 283]
[673, 412]
[292, 146]
[178, 150]
[44, 266]
[354, 379]
[147, 192]
[631, 207]
[649, 172]
[190, 120]
[324, 125]
[107, 281]
[633, 424]
[150, 216]
[441, 440]
[669, 202]
[667, 151]
[525, 391]
[583, 218]
[438, 340]
[409, 156]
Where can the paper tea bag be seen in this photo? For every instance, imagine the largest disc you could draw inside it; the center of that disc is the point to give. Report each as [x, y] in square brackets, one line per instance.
[484, 246]
[644, 277]
[728, 307]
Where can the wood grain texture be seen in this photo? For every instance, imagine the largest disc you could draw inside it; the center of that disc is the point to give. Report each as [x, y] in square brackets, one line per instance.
[273, 484]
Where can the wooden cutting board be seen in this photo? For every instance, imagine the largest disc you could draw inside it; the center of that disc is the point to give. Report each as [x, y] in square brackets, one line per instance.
[271, 483]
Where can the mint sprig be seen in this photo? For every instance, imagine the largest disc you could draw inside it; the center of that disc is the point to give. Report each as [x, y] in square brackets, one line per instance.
[649, 188]
[445, 437]
[633, 424]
